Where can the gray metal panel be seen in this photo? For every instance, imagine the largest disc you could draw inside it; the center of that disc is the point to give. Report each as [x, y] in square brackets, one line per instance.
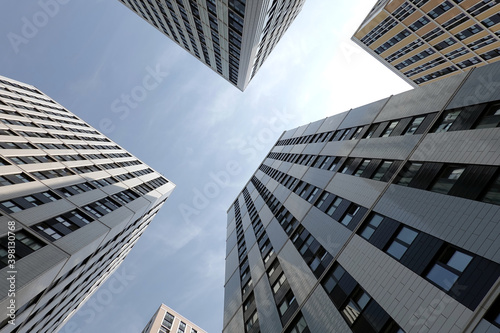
[312, 128]
[415, 304]
[297, 206]
[269, 319]
[363, 115]
[297, 170]
[232, 298]
[331, 234]
[359, 190]
[249, 237]
[265, 215]
[231, 242]
[297, 272]
[232, 263]
[479, 146]
[256, 264]
[429, 98]
[471, 225]
[332, 123]
[234, 324]
[481, 86]
[338, 148]
[393, 147]
[313, 148]
[276, 235]
[321, 315]
[317, 177]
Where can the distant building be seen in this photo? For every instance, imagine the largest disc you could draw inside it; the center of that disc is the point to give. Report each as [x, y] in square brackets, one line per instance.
[425, 40]
[167, 320]
[232, 37]
[384, 218]
[73, 200]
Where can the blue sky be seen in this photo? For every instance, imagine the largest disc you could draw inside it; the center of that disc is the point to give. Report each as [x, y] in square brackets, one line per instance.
[96, 58]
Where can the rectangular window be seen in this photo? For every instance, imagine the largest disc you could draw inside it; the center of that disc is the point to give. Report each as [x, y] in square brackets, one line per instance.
[333, 206]
[412, 128]
[402, 242]
[392, 125]
[446, 121]
[382, 170]
[492, 194]
[348, 216]
[408, 173]
[286, 303]
[491, 117]
[371, 131]
[362, 167]
[448, 268]
[357, 302]
[447, 179]
[356, 133]
[372, 225]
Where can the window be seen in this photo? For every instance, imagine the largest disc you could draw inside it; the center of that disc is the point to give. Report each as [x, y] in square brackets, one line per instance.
[356, 304]
[322, 199]
[382, 170]
[277, 285]
[347, 164]
[449, 266]
[300, 326]
[402, 242]
[351, 212]
[412, 128]
[390, 128]
[10, 206]
[182, 327]
[447, 179]
[372, 225]
[286, 303]
[408, 172]
[447, 120]
[491, 118]
[361, 167]
[252, 321]
[492, 194]
[493, 314]
[371, 131]
[356, 133]
[333, 278]
[246, 287]
[333, 206]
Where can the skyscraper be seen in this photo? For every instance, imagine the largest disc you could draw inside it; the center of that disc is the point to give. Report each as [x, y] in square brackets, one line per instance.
[167, 320]
[425, 40]
[72, 205]
[383, 218]
[232, 37]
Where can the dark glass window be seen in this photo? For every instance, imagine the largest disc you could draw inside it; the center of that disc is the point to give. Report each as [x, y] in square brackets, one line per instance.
[333, 206]
[447, 179]
[370, 131]
[408, 172]
[357, 302]
[402, 242]
[372, 225]
[492, 194]
[491, 118]
[382, 170]
[361, 167]
[392, 125]
[449, 266]
[348, 216]
[412, 128]
[447, 120]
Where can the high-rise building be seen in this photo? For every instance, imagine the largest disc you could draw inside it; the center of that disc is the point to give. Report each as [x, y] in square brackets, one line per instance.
[232, 37]
[72, 205]
[384, 218]
[425, 40]
[167, 320]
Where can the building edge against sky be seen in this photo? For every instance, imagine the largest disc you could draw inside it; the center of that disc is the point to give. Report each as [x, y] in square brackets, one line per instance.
[166, 320]
[232, 37]
[424, 40]
[75, 202]
[384, 218]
